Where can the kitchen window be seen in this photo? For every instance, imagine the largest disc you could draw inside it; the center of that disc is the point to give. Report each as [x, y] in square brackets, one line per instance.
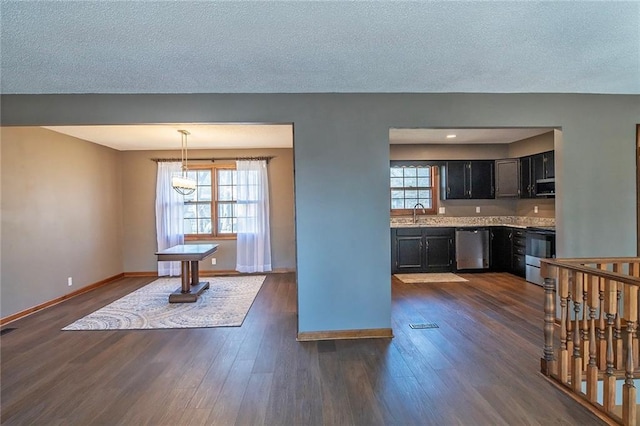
[411, 185]
[210, 212]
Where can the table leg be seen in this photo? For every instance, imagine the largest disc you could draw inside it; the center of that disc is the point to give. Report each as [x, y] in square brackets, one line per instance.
[195, 273]
[186, 285]
[191, 287]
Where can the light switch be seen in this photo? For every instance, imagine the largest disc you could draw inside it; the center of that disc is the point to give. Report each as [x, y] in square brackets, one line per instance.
[478, 209]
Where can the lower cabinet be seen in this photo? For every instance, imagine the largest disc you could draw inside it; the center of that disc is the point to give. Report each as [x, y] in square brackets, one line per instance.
[508, 250]
[518, 266]
[422, 250]
[501, 249]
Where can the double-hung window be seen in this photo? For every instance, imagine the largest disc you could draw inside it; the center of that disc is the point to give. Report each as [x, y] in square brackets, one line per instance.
[210, 212]
[412, 184]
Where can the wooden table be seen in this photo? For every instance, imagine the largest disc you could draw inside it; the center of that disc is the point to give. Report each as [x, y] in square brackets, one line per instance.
[189, 255]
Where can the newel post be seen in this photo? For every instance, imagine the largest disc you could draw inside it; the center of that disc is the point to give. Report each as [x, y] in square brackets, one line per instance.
[547, 362]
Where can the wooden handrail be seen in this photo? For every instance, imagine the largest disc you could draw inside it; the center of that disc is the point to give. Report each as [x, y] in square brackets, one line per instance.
[579, 266]
[598, 300]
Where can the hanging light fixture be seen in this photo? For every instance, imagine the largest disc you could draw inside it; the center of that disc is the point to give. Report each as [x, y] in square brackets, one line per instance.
[183, 184]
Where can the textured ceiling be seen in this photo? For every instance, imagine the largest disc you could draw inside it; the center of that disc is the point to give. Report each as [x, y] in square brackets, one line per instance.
[329, 46]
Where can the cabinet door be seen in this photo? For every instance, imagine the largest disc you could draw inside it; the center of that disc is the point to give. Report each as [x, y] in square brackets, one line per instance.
[519, 267]
[507, 178]
[456, 180]
[549, 165]
[501, 249]
[408, 254]
[526, 183]
[481, 179]
[538, 168]
[438, 253]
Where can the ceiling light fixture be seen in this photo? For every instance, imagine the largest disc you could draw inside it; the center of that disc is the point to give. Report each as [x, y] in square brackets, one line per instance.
[183, 184]
[451, 136]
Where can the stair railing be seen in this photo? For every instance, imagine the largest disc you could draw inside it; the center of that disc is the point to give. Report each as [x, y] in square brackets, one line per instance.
[594, 304]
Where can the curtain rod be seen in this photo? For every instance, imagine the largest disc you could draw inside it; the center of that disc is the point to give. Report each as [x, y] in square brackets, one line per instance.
[214, 159]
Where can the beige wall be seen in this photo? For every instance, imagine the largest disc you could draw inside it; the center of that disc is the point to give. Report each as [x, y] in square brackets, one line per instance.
[71, 208]
[495, 207]
[61, 216]
[532, 145]
[139, 183]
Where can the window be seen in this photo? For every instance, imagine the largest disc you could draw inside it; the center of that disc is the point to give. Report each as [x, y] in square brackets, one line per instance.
[211, 210]
[411, 185]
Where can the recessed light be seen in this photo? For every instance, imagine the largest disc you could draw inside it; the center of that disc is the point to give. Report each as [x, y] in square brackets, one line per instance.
[451, 136]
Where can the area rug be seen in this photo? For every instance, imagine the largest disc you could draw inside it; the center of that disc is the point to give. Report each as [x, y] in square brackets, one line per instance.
[445, 277]
[224, 304]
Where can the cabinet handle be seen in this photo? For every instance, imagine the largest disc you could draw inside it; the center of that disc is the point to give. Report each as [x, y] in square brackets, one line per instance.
[448, 190]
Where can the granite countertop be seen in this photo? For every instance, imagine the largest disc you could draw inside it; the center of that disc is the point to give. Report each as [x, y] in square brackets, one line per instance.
[448, 221]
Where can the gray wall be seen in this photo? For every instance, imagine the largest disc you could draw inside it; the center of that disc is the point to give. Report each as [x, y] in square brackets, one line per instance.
[61, 216]
[341, 154]
[139, 191]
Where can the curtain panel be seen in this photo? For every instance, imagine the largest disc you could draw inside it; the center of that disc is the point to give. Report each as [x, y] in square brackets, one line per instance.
[252, 209]
[169, 215]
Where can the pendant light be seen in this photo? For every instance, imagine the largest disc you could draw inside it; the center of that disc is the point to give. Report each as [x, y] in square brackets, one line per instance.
[183, 184]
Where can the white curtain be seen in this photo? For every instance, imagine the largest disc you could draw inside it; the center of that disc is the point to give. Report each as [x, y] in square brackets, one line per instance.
[169, 215]
[254, 239]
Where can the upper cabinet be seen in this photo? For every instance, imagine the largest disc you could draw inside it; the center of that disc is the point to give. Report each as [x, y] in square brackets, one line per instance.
[507, 178]
[534, 168]
[527, 182]
[468, 180]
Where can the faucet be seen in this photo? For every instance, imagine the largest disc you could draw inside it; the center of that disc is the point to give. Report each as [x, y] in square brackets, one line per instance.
[414, 211]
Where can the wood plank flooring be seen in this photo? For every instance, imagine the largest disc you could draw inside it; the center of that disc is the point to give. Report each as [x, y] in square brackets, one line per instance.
[479, 367]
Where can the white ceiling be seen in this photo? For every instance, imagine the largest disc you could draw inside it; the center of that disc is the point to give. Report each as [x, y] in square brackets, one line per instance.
[166, 136]
[246, 136]
[319, 46]
[463, 136]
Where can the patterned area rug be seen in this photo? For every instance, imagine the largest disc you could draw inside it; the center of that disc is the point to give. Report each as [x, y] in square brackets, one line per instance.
[224, 304]
[445, 277]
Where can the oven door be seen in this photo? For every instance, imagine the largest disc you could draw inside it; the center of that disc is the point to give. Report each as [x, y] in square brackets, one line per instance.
[541, 244]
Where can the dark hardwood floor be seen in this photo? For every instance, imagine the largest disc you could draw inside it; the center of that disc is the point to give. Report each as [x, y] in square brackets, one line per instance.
[479, 367]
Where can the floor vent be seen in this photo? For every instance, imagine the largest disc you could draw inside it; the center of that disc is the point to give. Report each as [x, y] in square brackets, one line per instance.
[6, 330]
[424, 325]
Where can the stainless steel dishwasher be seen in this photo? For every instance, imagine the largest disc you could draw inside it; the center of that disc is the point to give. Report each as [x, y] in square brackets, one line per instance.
[472, 248]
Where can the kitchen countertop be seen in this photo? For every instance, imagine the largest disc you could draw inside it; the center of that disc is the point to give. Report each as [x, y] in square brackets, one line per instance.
[448, 221]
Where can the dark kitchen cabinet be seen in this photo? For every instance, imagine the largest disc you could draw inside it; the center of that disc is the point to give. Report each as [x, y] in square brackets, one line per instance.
[407, 249]
[501, 249]
[527, 183]
[543, 165]
[507, 178]
[519, 251]
[422, 250]
[533, 168]
[468, 180]
[508, 250]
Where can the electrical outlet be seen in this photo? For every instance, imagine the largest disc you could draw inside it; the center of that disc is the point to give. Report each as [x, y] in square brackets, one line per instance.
[69, 281]
[440, 210]
[535, 209]
[213, 261]
[478, 209]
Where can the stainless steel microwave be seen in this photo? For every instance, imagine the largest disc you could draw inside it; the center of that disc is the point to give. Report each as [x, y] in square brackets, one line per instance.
[546, 187]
